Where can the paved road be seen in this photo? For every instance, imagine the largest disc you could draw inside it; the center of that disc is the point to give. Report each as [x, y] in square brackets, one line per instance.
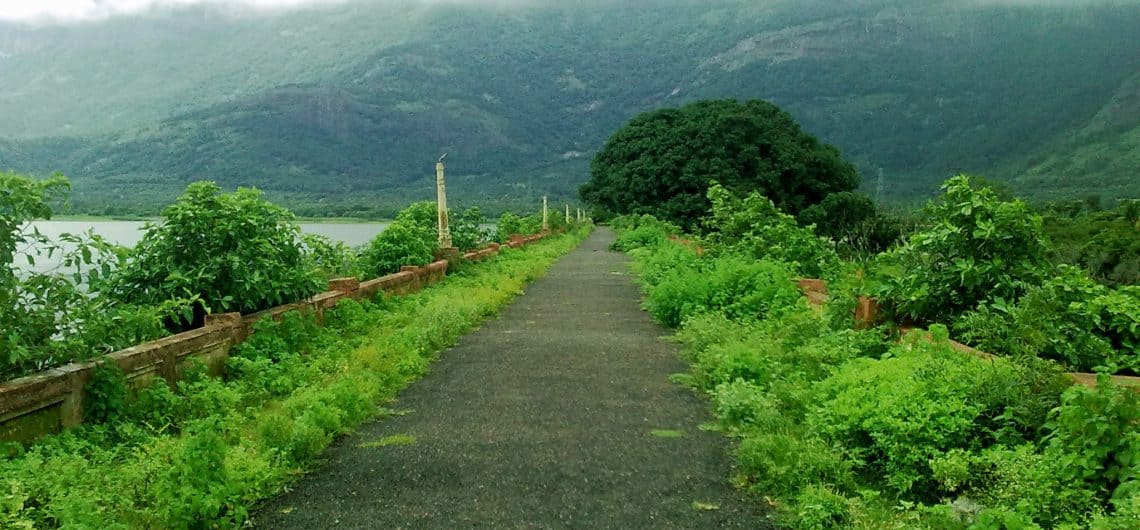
[559, 414]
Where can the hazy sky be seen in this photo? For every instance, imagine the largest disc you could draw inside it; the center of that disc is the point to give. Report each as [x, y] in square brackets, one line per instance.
[86, 9]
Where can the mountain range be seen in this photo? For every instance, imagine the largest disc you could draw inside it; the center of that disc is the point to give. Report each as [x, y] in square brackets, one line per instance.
[343, 109]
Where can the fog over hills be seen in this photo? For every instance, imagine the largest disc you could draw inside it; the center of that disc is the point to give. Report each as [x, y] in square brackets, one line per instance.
[346, 104]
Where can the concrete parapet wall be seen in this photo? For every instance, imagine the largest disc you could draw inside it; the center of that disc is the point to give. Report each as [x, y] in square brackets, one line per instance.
[868, 314]
[52, 400]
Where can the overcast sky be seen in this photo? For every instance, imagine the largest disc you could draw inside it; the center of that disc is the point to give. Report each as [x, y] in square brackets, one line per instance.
[87, 9]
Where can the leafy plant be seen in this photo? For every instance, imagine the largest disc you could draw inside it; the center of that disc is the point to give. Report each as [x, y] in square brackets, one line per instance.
[467, 232]
[508, 224]
[977, 248]
[106, 394]
[1070, 319]
[329, 259]
[740, 288]
[754, 227]
[49, 318]
[233, 251]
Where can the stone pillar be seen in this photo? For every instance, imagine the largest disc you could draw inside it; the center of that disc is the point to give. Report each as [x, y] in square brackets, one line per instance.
[545, 215]
[441, 206]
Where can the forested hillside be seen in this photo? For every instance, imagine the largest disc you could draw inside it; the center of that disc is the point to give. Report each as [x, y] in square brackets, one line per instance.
[343, 109]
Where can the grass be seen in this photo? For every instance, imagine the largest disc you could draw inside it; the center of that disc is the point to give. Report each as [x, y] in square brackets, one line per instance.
[394, 440]
[203, 457]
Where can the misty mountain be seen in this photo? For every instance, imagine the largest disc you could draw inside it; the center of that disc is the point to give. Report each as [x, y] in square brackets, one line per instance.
[347, 107]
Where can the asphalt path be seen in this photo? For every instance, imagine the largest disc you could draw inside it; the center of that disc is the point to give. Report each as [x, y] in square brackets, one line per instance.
[557, 414]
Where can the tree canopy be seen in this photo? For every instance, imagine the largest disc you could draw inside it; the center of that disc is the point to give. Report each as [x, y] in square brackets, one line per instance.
[662, 162]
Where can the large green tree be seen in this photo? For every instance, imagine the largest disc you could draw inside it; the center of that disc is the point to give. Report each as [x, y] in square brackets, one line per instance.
[662, 162]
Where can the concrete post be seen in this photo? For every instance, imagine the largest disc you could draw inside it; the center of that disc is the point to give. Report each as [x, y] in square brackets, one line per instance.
[545, 215]
[441, 206]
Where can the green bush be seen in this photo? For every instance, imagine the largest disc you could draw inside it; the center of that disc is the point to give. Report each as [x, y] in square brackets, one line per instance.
[1070, 319]
[508, 224]
[232, 251]
[754, 227]
[819, 508]
[738, 287]
[467, 232]
[401, 244]
[330, 259]
[1094, 439]
[897, 414]
[976, 248]
[49, 318]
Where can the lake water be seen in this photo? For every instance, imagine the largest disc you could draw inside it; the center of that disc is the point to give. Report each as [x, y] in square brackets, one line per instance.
[128, 233]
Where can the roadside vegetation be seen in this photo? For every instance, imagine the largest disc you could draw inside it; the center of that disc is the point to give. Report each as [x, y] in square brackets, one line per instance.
[212, 252]
[201, 454]
[839, 427]
[841, 423]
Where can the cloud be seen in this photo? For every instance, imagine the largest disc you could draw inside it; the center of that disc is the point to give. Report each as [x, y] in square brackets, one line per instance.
[76, 10]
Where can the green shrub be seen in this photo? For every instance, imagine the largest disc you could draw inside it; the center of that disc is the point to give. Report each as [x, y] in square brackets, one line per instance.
[640, 237]
[738, 287]
[49, 318]
[401, 244]
[467, 232]
[754, 227]
[1070, 319]
[105, 394]
[330, 259]
[899, 413]
[232, 251]
[1094, 439]
[193, 492]
[976, 248]
[783, 462]
[819, 507]
[508, 224]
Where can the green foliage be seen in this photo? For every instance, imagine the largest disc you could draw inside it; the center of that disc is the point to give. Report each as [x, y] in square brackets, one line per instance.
[975, 249]
[737, 287]
[329, 259]
[854, 223]
[467, 232]
[838, 213]
[48, 318]
[897, 414]
[663, 162]
[508, 224]
[641, 232]
[1094, 439]
[1104, 243]
[819, 508]
[105, 395]
[232, 251]
[401, 244]
[202, 456]
[754, 227]
[1070, 319]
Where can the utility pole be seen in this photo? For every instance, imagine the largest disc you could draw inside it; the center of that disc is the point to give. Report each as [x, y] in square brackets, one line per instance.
[545, 216]
[441, 205]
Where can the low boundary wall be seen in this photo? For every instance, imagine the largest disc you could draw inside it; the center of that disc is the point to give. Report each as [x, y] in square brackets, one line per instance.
[867, 314]
[50, 401]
